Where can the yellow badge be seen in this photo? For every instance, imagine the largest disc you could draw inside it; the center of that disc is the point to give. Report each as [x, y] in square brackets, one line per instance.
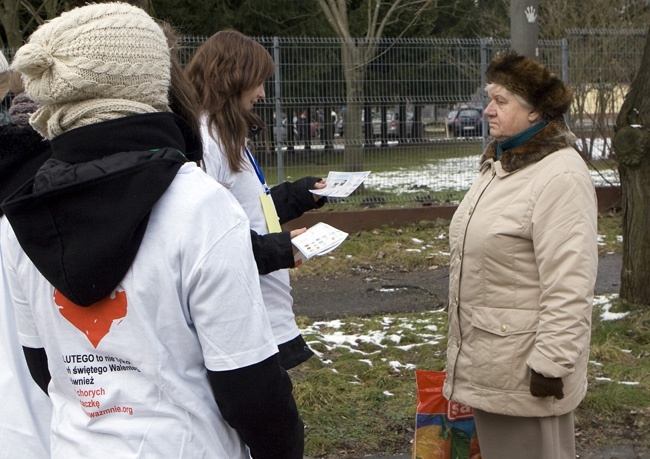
[270, 214]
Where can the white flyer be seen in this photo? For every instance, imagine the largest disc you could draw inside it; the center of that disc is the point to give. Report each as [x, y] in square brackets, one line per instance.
[319, 240]
[341, 184]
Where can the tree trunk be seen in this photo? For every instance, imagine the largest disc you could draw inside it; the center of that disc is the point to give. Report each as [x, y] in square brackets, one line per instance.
[354, 70]
[10, 20]
[632, 146]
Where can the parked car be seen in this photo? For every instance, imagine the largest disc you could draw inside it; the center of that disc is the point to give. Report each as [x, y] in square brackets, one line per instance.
[376, 123]
[393, 125]
[466, 122]
[451, 116]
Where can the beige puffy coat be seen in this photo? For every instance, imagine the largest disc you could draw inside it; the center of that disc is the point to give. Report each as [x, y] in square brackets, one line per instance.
[523, 267]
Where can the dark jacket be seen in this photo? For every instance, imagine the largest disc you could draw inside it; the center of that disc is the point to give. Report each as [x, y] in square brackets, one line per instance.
[274, 251]
[92, 200]
[22, 152]
[292, 199]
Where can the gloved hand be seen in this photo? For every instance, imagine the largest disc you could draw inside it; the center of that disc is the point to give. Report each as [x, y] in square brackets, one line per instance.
[541, 386]
[301, 188]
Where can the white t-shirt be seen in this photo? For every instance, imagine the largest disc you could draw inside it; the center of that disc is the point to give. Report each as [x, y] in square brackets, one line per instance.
[25, 411]
[247, 188]
[129, 376]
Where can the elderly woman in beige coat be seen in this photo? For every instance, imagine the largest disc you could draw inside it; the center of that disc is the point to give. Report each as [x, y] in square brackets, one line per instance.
[523, 267]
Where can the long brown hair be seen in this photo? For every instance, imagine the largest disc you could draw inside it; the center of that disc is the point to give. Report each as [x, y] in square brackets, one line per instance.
[225, 65]
[183, 99]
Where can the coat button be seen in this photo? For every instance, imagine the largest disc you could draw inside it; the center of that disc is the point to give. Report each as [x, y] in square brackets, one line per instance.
[504, 328]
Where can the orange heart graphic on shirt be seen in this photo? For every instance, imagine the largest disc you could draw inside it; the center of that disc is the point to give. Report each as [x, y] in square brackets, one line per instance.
[95, 320]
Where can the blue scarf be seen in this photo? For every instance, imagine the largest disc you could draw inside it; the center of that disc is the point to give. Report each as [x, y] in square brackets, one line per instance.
[519, 139]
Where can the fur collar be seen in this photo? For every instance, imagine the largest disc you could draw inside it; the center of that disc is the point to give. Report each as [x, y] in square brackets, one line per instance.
[555, 136]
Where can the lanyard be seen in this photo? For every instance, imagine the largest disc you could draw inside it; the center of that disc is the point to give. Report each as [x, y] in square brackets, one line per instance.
[258, 171]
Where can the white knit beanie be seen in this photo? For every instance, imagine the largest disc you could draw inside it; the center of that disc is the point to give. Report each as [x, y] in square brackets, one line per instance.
[94, 63]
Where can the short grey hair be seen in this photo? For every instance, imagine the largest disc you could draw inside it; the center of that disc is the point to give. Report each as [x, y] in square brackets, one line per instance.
[524, 103]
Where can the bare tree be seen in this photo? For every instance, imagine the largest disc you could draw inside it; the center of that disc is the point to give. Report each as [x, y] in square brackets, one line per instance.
[146, 5]
[10, 20]
[559, 15]
[356, 54]
[20, 17]
[599, 73]
[556, 16]
[632, 147]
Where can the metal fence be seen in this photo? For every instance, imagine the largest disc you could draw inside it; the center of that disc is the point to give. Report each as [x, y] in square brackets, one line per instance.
[422, 99]
[418, 149]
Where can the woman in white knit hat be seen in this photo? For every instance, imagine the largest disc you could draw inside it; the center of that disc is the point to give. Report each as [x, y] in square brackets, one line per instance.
[130, 268]
[25, 412]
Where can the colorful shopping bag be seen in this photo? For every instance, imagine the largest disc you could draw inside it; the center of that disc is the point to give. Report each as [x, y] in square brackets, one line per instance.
[443, 429]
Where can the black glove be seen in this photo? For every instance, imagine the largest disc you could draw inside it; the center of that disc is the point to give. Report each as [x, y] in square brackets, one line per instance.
[292, 199]
[541, 386]
[303, 185]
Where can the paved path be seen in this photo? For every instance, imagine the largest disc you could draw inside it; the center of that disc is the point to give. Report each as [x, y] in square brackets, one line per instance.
[367, 292]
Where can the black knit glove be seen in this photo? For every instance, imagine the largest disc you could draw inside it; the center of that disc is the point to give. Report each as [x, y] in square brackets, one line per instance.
[541, 386]
[302, 187]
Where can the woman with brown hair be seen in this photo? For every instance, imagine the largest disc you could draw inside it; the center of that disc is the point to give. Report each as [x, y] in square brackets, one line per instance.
[228, 71]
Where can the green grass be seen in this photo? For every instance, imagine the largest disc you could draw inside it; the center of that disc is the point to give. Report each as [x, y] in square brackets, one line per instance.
[355, 398]
[609, 231]
[618, 399]
[359, 395]
[416, 246]
[420, 245]
[301, 163]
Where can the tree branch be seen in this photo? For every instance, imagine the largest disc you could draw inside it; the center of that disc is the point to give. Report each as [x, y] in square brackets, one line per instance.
[336, 17]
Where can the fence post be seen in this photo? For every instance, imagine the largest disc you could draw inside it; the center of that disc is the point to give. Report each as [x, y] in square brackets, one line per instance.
[484, 65]
[565, 60]
[524, 27]
[278, 110]
[565, 70]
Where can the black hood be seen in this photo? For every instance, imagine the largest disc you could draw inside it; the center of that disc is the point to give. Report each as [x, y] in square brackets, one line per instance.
[22, 152]
[82, 218]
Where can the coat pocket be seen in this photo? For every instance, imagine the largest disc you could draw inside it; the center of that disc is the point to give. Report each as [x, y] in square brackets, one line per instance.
[502, 339]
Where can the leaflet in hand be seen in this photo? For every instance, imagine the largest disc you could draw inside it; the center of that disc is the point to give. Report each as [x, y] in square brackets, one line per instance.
[319, 240]
[341, 184]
